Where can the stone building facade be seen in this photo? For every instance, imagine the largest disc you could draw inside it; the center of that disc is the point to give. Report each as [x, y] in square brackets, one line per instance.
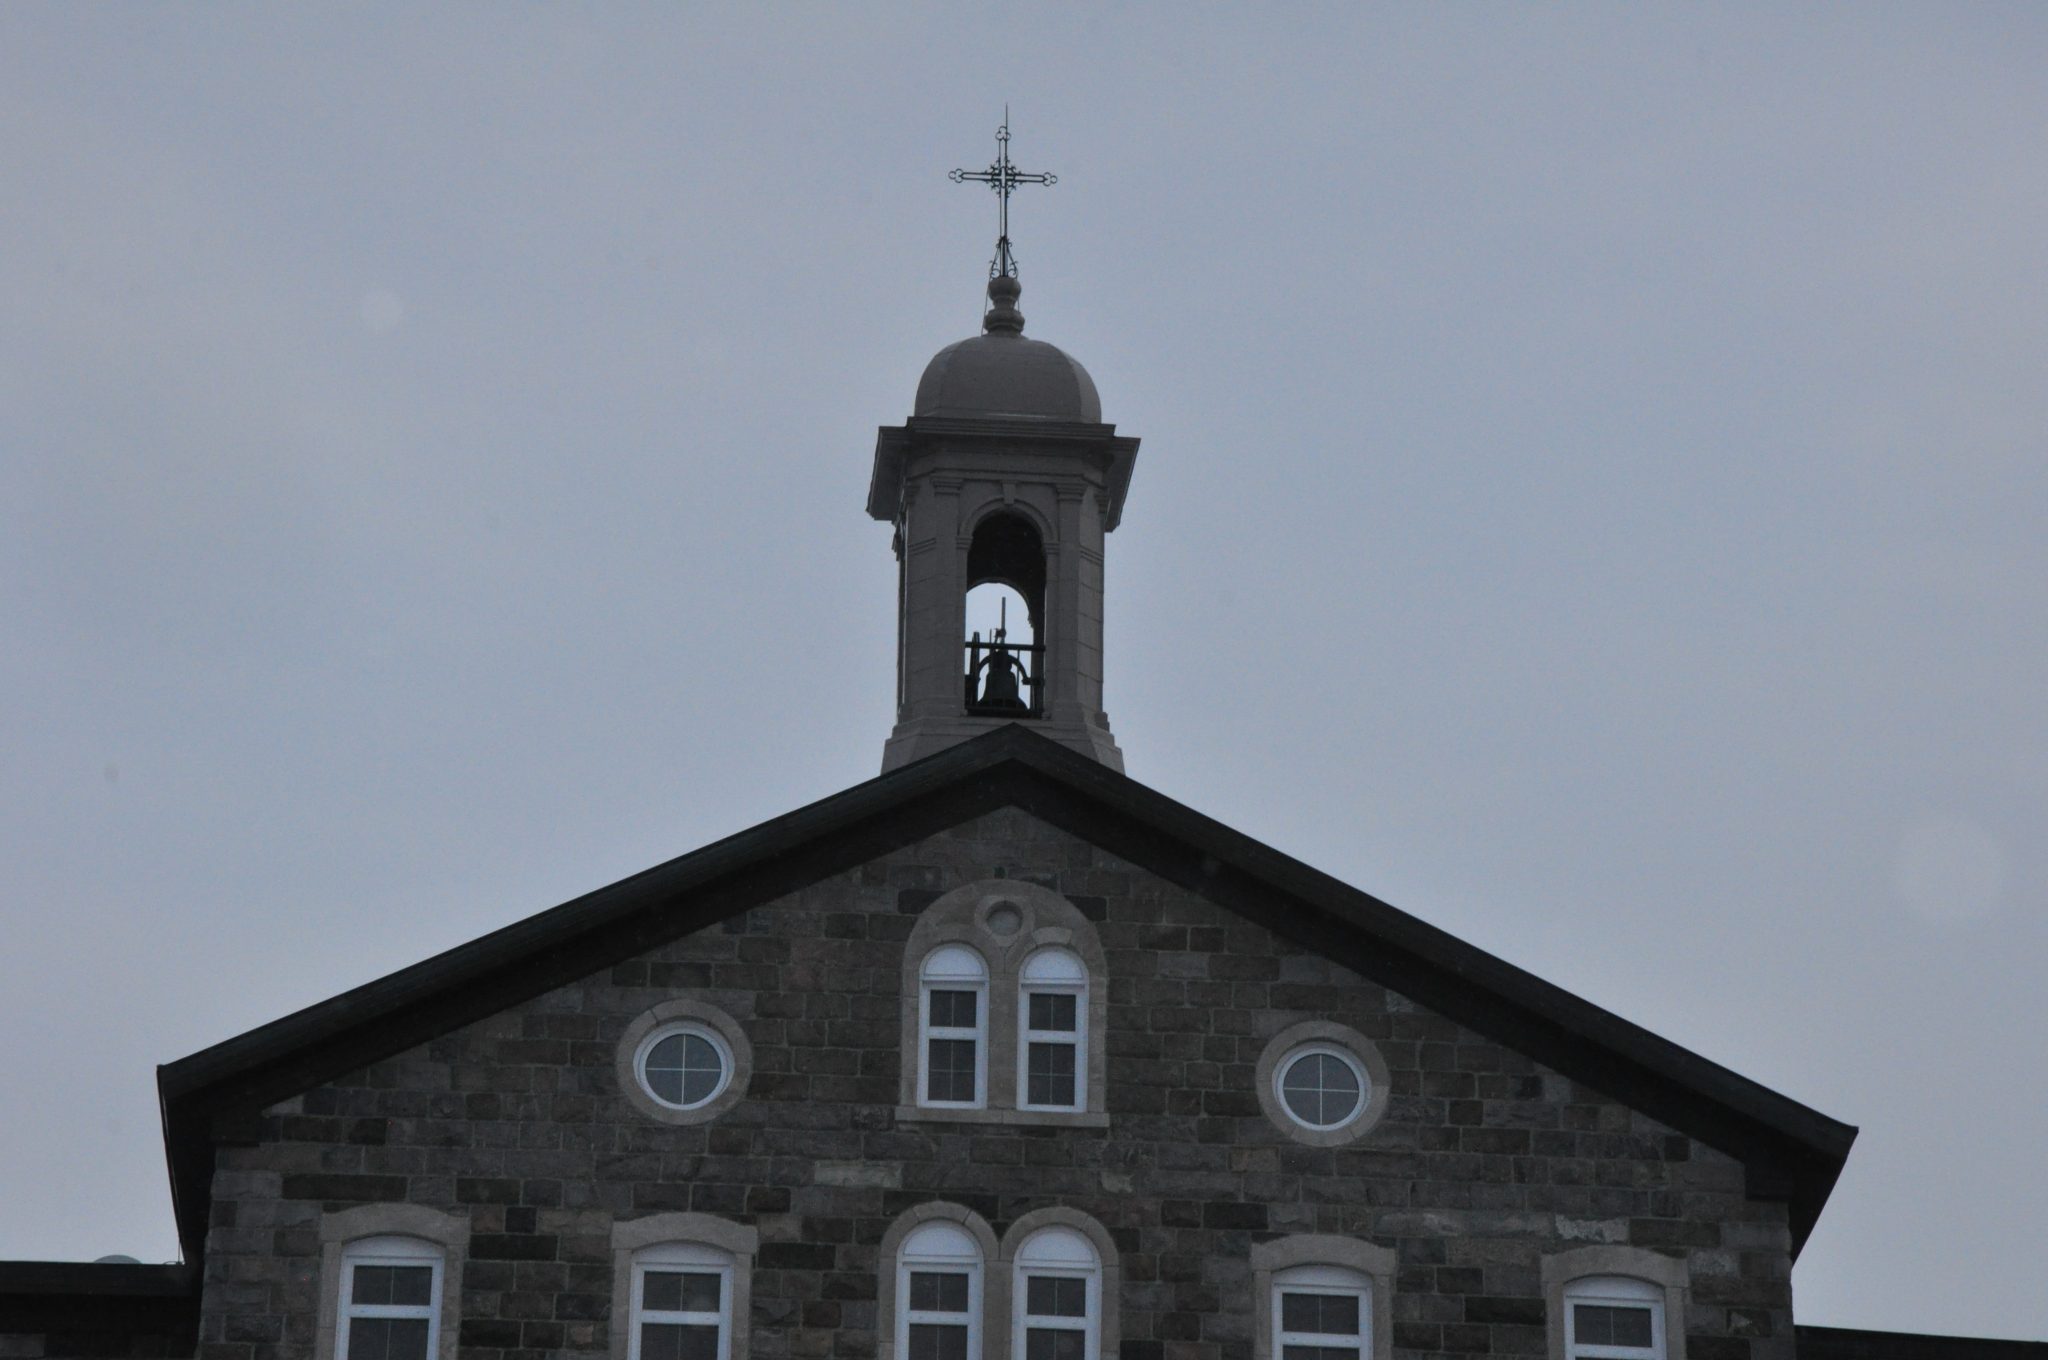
[998, 1056]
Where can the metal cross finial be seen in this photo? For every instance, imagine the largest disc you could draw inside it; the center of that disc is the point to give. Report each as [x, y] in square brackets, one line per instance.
[1003, 177]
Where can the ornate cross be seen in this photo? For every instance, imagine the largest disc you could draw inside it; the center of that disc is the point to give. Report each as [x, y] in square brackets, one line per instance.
[1004, 178]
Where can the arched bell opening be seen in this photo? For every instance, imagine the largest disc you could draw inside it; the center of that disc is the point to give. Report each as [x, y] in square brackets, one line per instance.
[1005, 604]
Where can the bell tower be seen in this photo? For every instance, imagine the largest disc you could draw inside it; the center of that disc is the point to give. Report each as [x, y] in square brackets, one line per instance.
[1004, 477]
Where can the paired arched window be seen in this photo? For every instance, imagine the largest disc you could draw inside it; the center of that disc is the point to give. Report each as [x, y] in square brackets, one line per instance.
[1003, 1009]
[950, 1291]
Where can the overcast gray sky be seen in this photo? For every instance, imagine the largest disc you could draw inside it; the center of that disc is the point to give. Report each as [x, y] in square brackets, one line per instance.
[1592, 496]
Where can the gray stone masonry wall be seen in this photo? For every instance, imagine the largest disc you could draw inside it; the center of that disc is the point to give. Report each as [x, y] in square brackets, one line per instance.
[1484, 1163]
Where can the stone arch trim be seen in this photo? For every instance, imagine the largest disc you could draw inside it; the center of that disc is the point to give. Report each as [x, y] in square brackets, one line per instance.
[972, 516]
[702, 1013]
[909, 1221]
[1109, 1326]
[448, 1231]
[1375, 1262]
[1668, 1273]
[1343, 1036]
[741, 1240]
[960, 916]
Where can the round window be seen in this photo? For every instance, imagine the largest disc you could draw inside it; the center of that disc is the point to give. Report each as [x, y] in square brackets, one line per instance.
[684, 1066]
[1322, 1086]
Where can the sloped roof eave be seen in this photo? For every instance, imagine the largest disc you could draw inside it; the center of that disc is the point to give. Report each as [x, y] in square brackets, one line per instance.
[1793, 1152]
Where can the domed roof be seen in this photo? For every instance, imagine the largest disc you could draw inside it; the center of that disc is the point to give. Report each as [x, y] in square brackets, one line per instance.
[1000, 373]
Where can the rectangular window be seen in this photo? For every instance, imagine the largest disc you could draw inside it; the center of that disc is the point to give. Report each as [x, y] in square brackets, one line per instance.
[939, 1300]
[390, 1311]
[1316, 1326]
[1052, 1051]
[952, 1070]
[682, 1315]
[1055, 1318]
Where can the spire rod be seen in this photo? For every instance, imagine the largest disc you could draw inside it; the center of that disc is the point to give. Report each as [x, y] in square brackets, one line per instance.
[1004, 178]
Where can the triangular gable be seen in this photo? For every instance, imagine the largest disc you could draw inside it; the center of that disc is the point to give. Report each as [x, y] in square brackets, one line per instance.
[1791, 1152]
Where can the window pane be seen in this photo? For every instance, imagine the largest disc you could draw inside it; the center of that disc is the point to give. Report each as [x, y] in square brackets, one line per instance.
[1046, 1343]
[1326, 1314]
[954, 1010]
[387, 1339]
[938, 1291]
[669, 1341]
[1319, 1353]
[1055, 1296]
[661, 1291]
[1053, 1010]
[950, 1075]
[684, 1069]
[1610, 1325]
[929, 1341]
[372, 1284]
[1050, 1080]
[1320, 1089]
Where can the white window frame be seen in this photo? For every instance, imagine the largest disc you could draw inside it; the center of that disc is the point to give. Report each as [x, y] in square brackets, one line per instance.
[689, 1029]
[1076, 1039]
[1614, 1291]
[682, 1257]
[1330, 1282]
[1602, 1272]
[913, 1257]
[390, 1250]
[1077, 1261]
[932, 978]
[1351, 1062]
[1322, 1263]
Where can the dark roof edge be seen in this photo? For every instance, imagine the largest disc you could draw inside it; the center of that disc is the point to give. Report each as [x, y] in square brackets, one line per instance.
[125, 1279]
[1795, 1152]
[210, 1065]
[1855, 1343]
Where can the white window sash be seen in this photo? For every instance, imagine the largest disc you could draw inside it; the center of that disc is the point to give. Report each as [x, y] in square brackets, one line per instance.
[1586, 1350]
[906, 1315]
[428, 1312]
[663, 1317]
[1088, 1324]
[977, 1035]
[1075, 1038]
[1283, 1338]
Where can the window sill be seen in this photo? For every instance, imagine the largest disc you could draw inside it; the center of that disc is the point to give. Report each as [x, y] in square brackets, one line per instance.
[1043, 1119]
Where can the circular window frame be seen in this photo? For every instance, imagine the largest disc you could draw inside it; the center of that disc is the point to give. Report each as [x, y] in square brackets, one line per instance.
[1348, 1046]
[684, 1017]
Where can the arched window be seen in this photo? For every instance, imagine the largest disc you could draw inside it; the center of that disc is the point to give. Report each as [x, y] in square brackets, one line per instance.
[390, 1283]
[1057, 1297]
[390, 1299]
[1052, 1032]
[682, 1303]
[1004, 608]
[1613, 1317]
[682, 1287]
[1612, 1302]
[1004, 1009]
[1321, 1313]
[953, 1029]
[938, 1294]
[1322, 1297]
